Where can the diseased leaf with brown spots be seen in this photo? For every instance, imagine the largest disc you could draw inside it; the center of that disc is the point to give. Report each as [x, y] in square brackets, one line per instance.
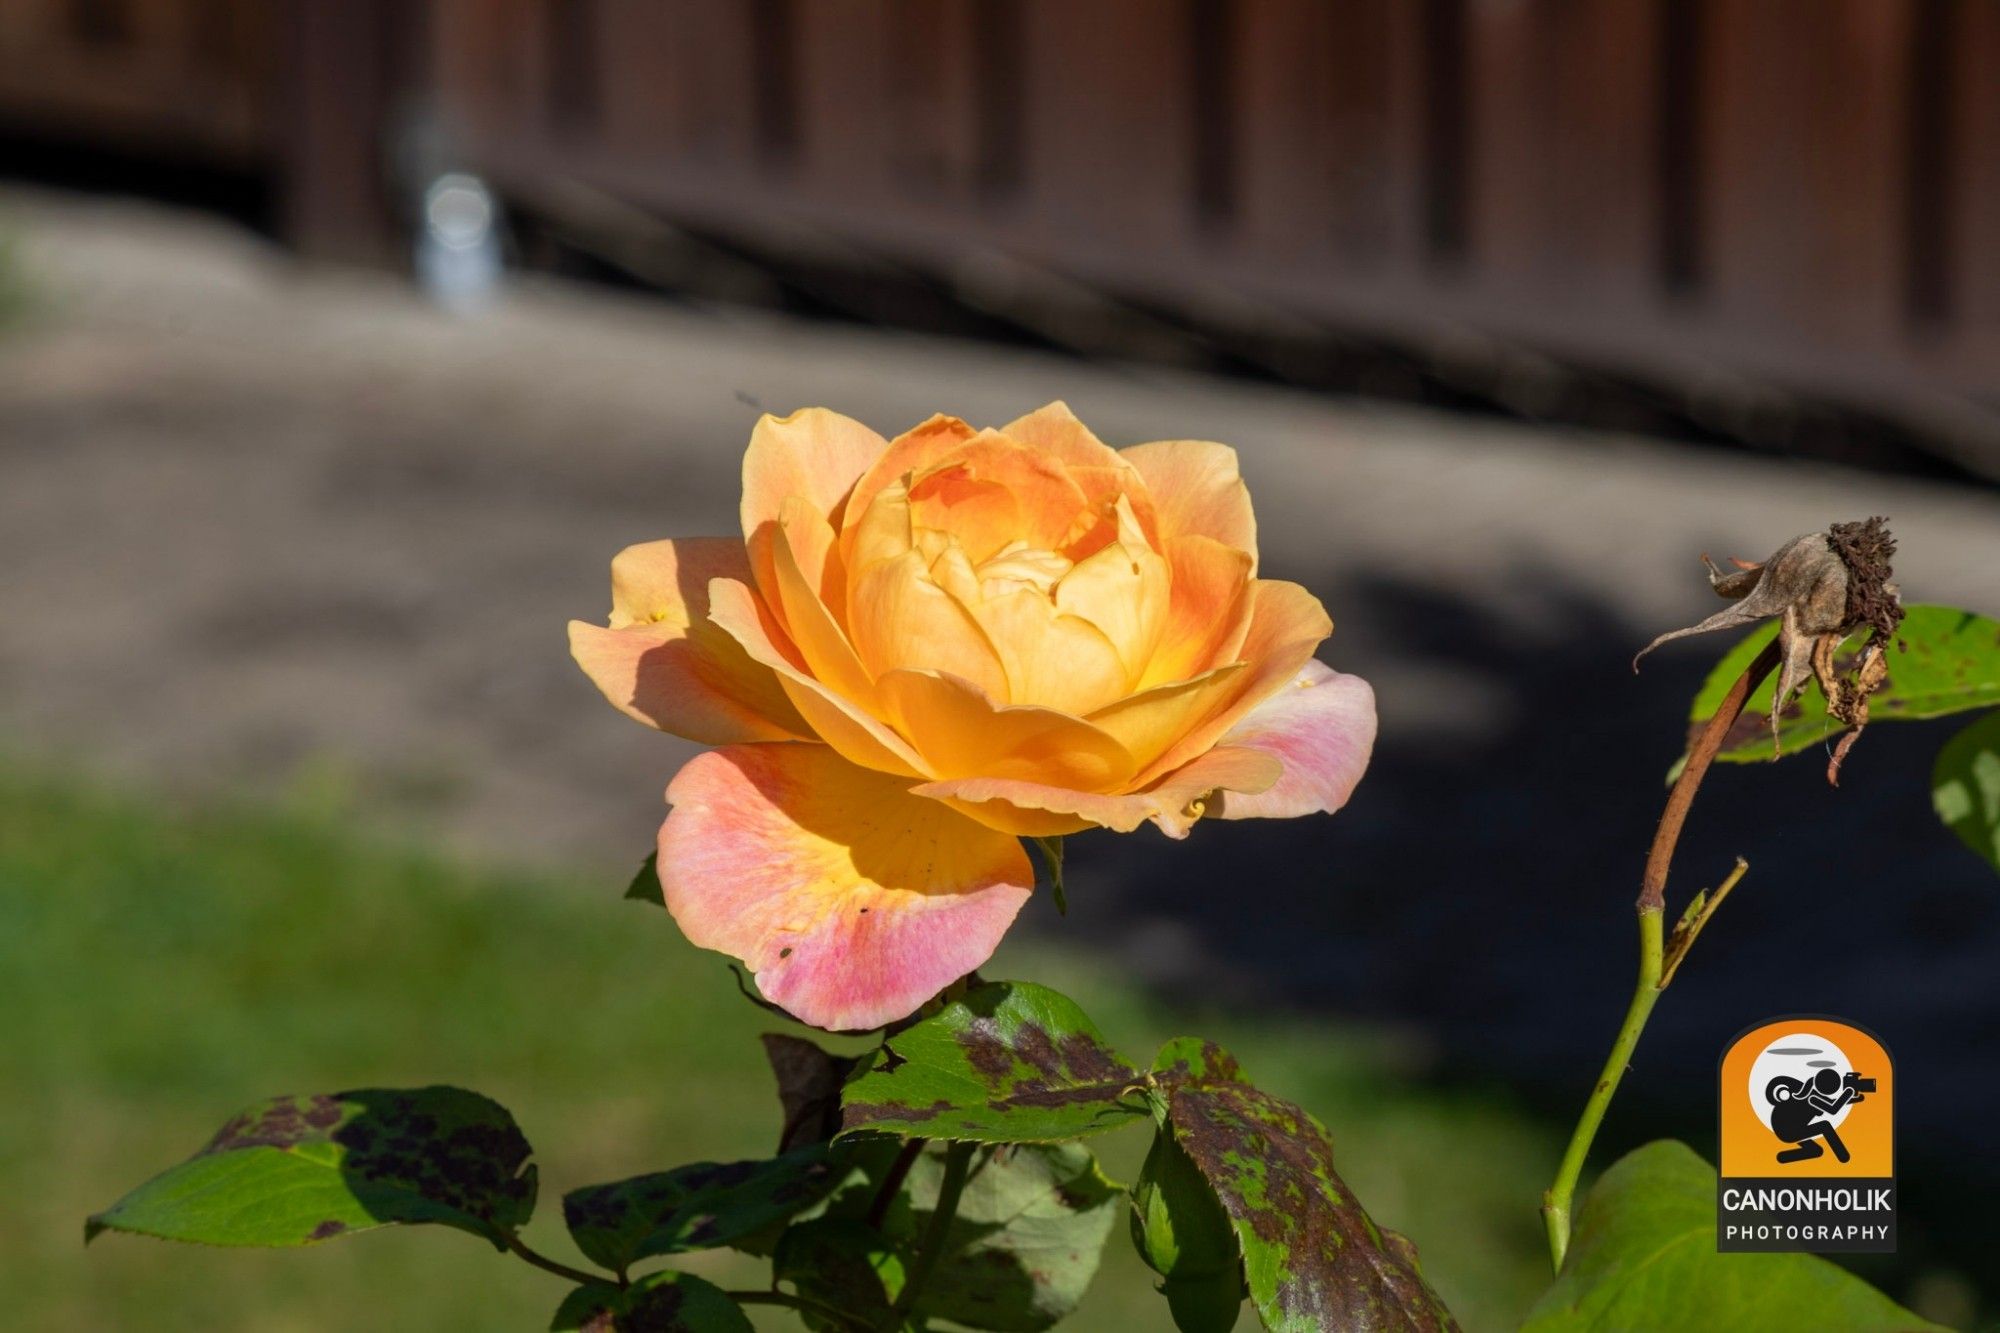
[1009, 1063]
[656, 1303]
[1312, 1258]
[297, 1170]
[696, 1207]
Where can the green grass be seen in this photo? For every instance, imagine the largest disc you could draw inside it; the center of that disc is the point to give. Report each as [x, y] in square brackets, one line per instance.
[162, 967]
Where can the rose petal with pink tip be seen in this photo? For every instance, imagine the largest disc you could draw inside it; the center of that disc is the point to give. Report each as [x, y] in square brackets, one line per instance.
[851, 900]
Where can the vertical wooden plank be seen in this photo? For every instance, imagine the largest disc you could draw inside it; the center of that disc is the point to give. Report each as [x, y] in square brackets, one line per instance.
[340, 81]
[1329, 135]
[1973, 191]
[947, 76]
[845, 77]
[1107, 152]
[1805, 140]
[1563, 197]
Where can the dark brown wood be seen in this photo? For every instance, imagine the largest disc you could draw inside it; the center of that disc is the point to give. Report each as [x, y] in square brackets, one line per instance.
[1804, 191]
[345, 67]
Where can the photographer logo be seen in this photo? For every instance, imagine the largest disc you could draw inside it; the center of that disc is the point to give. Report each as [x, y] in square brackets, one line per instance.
[1808, 1139]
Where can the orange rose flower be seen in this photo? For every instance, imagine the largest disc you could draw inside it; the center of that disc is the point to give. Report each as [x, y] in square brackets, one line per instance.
[925, 649]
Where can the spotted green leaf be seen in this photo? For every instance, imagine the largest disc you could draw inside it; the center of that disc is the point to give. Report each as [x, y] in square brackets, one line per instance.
[1643, 1260]
[1965, 786]
[1312, 1257]
[1951, 663]
[695, 1207]
[1024, 1245]
[1009, 1063]
[656, 1303]
[297, 1170]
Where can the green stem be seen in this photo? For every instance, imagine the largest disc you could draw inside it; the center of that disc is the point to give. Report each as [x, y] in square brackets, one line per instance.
[957, 1164]
[1556, 1202]
[519, 1248]
[892, 1181]
[1052, 852]
[1652, 906]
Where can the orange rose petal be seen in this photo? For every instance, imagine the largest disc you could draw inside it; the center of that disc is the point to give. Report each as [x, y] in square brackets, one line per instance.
[1094, 466]
[991, 491]
[1198, 491]
[837, 721]
[813, 454]
[909, 452]
[1174, 803]
[1052, 660]
[1287, 624]
[902, 618]
[802, 539]
[663, 663]
[1208, 612]
[1151, 722]
[961, 732]
[1322, 728]
[1124, 589]
[851, 900]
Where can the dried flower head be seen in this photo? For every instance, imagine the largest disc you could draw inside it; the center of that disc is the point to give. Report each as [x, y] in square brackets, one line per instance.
[1823, 587]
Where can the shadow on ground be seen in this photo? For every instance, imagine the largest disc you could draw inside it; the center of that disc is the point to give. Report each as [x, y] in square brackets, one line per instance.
[1477, 895]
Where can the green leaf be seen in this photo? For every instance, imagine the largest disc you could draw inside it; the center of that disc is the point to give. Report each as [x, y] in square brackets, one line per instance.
[1643, 1258]
[645, 886]
[1951, 664]
[1965, 786]
[296, 1170]
[1180, 1230]
[809, 1083]
[1025, 1242]
[843, 1264]
[1312, 1257]
[1009, 1063]
[656, 1303]
[696, 1207]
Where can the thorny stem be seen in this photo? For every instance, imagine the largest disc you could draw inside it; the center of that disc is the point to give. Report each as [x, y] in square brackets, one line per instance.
[957, 1162]
[892, 1181]
[517, 1246]
[1652, 906]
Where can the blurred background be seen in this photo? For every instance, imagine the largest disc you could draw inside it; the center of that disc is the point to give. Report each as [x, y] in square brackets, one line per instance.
[342, 342]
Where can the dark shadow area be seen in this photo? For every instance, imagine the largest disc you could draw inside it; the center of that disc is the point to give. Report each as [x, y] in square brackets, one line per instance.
[1477, 895]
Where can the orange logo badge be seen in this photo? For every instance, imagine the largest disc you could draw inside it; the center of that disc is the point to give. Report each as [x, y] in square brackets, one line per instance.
[1807, 1112]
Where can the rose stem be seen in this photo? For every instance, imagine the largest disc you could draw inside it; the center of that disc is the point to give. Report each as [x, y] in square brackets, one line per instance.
[892, 1181]
[519, 1247]
[957, 1161]
[1651, 907]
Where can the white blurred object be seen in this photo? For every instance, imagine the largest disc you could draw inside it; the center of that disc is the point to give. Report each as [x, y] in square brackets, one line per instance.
[458, 244]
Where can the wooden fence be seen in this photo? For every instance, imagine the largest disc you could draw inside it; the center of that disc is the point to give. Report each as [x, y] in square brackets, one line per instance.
[1800, 191]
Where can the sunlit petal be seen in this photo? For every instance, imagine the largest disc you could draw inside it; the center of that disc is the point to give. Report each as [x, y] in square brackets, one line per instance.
[1197, 491]
[662, 662]
[1322, 728]
[851, 900]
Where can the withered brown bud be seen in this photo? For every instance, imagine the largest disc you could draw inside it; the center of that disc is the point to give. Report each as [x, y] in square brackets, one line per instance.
[1822, 587]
